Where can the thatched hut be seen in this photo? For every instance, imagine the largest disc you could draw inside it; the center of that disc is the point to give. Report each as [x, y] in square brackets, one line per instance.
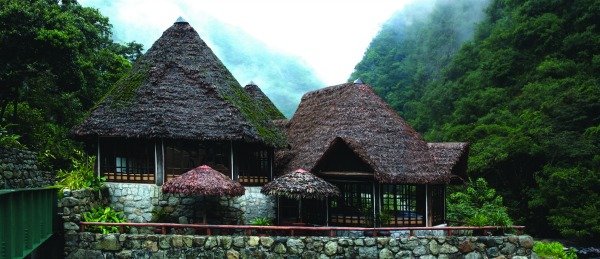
[387, 174]
[179, 108]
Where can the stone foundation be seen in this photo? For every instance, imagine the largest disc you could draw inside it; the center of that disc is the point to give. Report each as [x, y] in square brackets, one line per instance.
[147, 203]
[91, 245]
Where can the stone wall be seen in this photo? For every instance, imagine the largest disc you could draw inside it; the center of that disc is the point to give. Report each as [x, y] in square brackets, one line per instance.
[91, 245]
[147, 203]
[18, 169]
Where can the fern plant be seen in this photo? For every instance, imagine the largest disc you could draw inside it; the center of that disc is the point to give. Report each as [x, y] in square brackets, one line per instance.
[261, 221]
[81, 175]
[104, 214]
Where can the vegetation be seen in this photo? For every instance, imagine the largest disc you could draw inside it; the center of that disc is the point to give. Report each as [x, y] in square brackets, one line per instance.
[9, 139]
[103, 214]
[553, 250]
[478, 205]
[261, 221]
[58, 59]
[81, 175]
[523, 90]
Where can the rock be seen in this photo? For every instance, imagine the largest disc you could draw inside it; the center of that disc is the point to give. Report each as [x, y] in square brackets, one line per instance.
[359, 242]
[188, 241]
[427, 257]
[108, 243]
[526, 242]
[88, 254]
[473, 255]
[382, 241]
[367, 252]
[177, 241]
[519, 257]
[225, 241]
[69, 202]
[238, 241]
[150, 245]
[331, 248]
[266, 241]
[404, 254]
[70, 226]
[211, 242]
[369, 241]
[393, 242]
[420, 250]
[164, 242]
[199, 241]
[386, 254]
[466, 246]
[508, 249]
[253, 241]
[280, 249]
[448, 249]
[295, 246]
[434, 247]
[493, 252]
[232, 254]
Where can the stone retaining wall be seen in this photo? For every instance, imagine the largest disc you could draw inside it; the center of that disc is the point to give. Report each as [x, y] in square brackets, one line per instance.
[91, 245]
[18, 169]
[147, 203]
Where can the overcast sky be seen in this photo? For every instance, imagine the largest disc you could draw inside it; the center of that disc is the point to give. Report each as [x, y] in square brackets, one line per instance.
[330, 36]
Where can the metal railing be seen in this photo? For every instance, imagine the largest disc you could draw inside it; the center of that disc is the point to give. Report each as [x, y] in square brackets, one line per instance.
[26, 220]
[302, 230]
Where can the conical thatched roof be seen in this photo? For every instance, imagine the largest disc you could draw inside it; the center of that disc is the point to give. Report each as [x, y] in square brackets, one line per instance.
[300, 184]
[180, 90]
[203, 180]
[360, 119]
[264, 102]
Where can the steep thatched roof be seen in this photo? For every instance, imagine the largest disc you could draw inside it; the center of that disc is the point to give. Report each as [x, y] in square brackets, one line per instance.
[300, 184]
[263, 101]
[368, 126]
[451, 157]
[203, 180]
[180, 90]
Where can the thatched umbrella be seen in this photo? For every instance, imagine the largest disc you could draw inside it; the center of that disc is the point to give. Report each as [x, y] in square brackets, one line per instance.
[300, 184]
[205, 181]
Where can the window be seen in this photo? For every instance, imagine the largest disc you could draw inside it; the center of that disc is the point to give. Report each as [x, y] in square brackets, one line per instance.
[254, 165]
[182, 156]
[354, 206]
[127, 160]
[399, 206]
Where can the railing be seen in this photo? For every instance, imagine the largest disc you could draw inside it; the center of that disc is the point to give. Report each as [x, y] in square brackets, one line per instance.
[302, 230]
[26, 220]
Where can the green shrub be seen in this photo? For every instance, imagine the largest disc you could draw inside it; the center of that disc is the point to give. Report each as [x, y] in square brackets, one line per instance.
[261, 221]
[81, 175]
[104, 214]
[478, 205]
[553, 250]
[8, 139]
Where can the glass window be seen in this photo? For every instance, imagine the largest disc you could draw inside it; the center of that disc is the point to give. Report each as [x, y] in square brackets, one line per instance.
[127, 160]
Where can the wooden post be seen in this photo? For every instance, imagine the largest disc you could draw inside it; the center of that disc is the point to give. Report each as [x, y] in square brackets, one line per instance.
[231, 158]
[159, 164]
[98, 159]
[426, 206]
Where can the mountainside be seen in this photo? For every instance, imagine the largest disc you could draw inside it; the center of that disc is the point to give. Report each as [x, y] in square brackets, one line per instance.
[524, 91]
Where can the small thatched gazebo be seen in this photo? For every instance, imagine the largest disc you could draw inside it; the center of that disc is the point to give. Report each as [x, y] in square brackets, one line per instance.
[387, 174]
[300, 184]
[203, 181]
[178, 108]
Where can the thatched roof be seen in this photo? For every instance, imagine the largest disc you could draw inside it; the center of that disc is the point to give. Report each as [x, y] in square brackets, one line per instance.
[264, 102]
[203, 180]
[368, 126]
[300, 184]
[451, 157]
[179, 89]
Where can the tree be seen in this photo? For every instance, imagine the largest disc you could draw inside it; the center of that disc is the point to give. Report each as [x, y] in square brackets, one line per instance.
[478, 205]
[58, 59]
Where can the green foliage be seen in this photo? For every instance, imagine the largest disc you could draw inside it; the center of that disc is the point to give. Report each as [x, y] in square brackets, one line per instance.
[58, 59]
[478, 205]
[9, 139]
[104, 214]
[524, 91]
[553, 250]
[81, 175]
[261, 221]
[160, 215]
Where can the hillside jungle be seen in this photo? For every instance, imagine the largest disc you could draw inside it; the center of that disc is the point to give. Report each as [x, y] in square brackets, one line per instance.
[518, 79]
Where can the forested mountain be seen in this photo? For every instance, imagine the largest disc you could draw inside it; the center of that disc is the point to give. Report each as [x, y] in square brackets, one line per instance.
[524, 91]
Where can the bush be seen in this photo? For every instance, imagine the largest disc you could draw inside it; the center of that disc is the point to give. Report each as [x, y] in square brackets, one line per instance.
[478, 205]
[553, 250]
[81, 175]
[8, 139]
[261, 221]
[104, 214]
